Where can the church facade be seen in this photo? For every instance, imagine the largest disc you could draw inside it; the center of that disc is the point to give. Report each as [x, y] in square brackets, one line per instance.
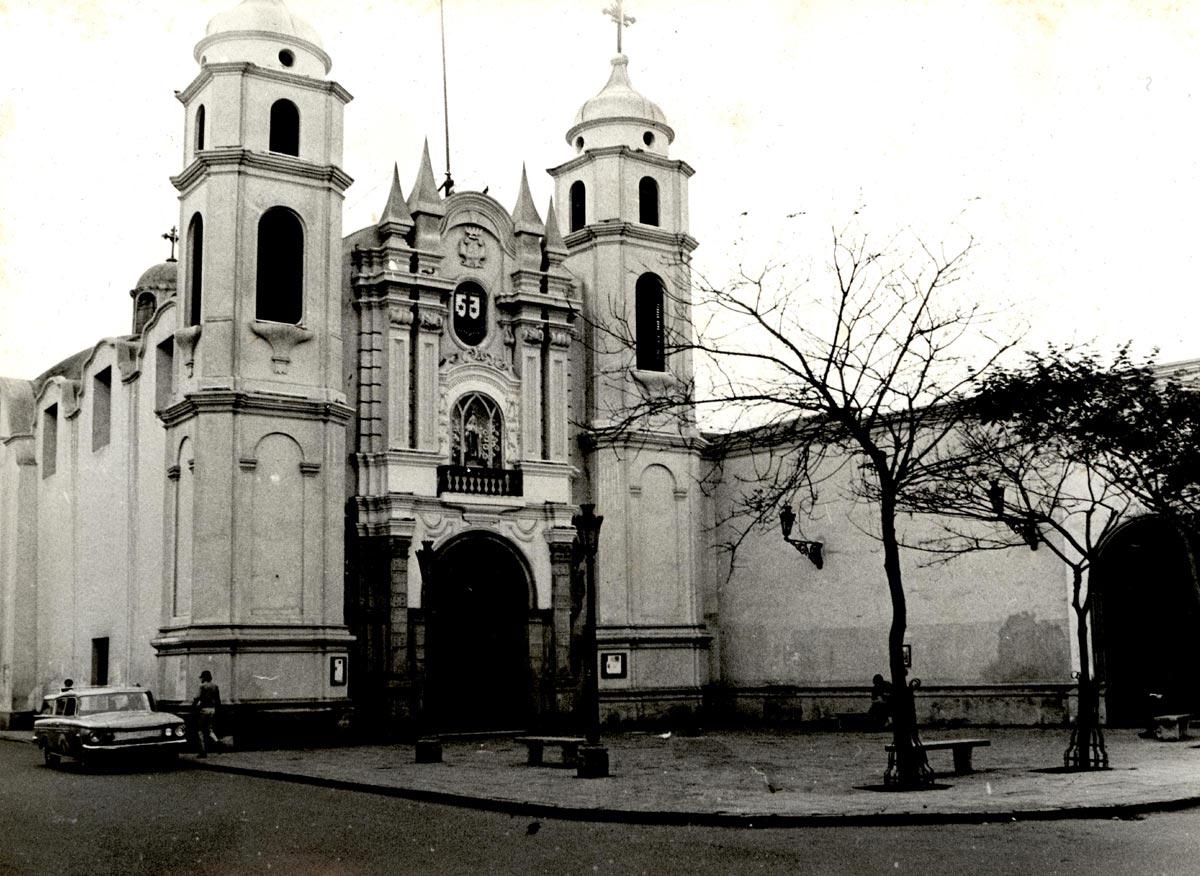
[339, 471]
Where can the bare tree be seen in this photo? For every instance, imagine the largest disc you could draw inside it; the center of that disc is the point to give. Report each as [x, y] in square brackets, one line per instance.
[860, 376]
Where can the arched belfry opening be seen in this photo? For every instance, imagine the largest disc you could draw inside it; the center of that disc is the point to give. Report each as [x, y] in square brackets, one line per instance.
[285, 128]
[479, 604]
[1147, 621]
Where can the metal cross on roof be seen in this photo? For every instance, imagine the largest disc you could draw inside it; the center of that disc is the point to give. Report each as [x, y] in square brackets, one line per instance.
[173, 236]
[617, 13]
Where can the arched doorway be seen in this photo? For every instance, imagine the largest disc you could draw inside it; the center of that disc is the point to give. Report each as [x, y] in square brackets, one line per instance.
[1147, 620]
[477, 637]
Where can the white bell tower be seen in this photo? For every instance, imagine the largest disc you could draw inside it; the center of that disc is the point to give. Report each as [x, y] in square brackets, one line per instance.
[624, 218]
[256, 417]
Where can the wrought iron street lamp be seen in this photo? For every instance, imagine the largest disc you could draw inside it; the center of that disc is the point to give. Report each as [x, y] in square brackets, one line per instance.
[429, 747]
[593, 757]
[814, 550]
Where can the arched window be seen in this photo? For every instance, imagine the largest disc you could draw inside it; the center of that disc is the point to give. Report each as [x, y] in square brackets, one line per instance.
[650, 340]
[578, 205]
[285, 128]
[142, 311]
[280, 291]
[648, 201]
[476, 432]
[200, 128]
[195, 268]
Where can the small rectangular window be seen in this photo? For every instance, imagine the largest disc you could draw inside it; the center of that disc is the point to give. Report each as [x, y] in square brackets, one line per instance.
[101, 409]
[49, 441]
[164, 374]
[100, 661]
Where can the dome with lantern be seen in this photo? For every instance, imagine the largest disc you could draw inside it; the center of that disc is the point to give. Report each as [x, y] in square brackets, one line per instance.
[620, 116]
[265, 33]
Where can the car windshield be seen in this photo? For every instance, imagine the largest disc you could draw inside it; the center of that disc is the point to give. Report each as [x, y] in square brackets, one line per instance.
[93, 704]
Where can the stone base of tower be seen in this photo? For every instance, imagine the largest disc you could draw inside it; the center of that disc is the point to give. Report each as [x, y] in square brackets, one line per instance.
[278, 683]
[652, 676]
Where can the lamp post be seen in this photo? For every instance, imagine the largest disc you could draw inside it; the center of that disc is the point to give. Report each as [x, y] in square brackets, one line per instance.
[429, 747]
[814, 550]
[593, 757]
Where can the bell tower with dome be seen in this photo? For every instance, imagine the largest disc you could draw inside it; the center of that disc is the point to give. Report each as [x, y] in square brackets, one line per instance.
[624, 218]
[256, 418]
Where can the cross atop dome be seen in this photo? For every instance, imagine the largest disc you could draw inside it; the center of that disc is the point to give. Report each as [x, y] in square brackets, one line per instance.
[616, 12]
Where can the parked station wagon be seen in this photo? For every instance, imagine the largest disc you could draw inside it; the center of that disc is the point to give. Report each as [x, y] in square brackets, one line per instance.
[86, 722]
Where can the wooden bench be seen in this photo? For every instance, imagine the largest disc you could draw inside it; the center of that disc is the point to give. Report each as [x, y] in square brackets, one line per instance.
[1170, 728]
[569, 745]
[960, 748]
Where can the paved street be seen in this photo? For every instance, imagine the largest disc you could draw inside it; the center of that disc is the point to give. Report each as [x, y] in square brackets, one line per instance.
[194, 821]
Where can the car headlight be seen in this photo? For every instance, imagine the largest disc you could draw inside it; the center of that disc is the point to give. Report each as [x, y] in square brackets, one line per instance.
[180, 730]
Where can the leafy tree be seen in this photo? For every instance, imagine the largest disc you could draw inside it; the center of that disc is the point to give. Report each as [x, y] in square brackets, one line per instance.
[1060, 451]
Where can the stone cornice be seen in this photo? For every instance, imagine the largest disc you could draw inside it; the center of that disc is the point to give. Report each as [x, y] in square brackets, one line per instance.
[590, 441]
[245, 68]
[615, 231]
[605, 151]
[666, 636]
[226, 401]
[538, 300]
[235, 156]
[23, 447]
[202, 637]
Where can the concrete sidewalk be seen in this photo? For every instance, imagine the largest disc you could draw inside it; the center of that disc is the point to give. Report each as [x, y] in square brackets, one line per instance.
[757, 778]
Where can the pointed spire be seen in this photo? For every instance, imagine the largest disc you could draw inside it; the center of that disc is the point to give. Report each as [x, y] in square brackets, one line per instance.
[525, 215]
[425, 190]
[553, 242]
[396, 214]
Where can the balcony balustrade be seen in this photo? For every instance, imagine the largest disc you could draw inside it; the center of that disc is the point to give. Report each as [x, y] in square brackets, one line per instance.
[479, 481]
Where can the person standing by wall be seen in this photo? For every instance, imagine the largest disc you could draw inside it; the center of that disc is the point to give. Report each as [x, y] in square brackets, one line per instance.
[206, 704]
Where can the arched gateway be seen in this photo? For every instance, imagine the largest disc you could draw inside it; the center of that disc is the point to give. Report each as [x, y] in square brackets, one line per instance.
[1147, 622]
[478, 636]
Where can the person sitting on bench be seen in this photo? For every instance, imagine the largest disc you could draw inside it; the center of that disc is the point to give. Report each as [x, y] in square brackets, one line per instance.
[880, 713]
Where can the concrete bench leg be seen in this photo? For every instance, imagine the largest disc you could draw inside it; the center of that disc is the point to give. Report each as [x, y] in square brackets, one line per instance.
[570, 755]
[962, 760]
[429, 750]
[535, 754]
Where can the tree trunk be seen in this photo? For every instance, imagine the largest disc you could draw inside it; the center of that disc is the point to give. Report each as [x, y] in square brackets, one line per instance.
[911, 766]
[1086, 750]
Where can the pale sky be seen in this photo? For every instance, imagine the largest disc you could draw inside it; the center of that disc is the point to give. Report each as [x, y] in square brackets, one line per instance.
[1064, 136]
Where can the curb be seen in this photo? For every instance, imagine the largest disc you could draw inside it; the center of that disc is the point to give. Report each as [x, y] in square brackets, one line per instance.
[1124, 811]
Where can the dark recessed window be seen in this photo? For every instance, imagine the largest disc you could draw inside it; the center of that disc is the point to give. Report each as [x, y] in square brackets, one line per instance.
[648, 138]
[101, 409]
[280, 289]
[195, 268]
[578, 205]
[164, 374]
[49, 441]
[648, 201]
[285, 128]
[100, 661]
[286, 58]
[579, 143]
[650, 334]
[200, 128]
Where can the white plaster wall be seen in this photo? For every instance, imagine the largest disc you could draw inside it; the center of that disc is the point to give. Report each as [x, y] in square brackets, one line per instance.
[783, 621]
